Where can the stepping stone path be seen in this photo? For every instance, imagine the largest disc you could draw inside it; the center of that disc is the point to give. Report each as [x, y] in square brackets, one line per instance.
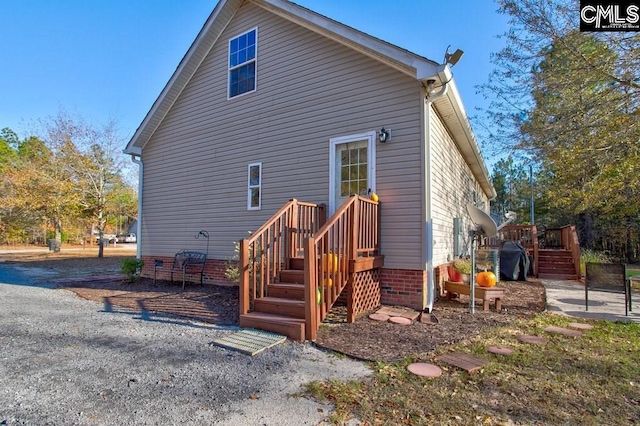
[379, 317]
[580, 326]
[563, 331]
[425, 370]
[536, 340]
[402, 316]
[400, 320]
[464, 361]
[500, 350]
[399, 312]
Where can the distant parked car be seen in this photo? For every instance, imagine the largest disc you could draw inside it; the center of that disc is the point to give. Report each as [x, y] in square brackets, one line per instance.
[107, 237]
[130, 238]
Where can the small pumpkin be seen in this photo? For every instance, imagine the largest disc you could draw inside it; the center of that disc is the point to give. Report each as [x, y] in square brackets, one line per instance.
[319, 296]
[374, 197]
[486, 279]
[328, 282]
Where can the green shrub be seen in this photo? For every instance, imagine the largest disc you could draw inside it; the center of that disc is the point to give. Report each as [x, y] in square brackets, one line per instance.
[132, 268]
[232, 271]
[592, 256]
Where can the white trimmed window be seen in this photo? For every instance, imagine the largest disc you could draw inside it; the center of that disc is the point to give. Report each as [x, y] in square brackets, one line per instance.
[242, 63]
[254, 187]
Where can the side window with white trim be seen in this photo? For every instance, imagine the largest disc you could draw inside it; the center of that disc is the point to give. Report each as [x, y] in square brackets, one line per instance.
[254, 187]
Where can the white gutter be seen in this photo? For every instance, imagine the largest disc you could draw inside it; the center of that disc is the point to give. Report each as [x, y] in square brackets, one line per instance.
[444, 76]
[138, 161]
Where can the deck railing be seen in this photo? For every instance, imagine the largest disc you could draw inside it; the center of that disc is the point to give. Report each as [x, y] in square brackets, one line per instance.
[269, 249]
[330, 255]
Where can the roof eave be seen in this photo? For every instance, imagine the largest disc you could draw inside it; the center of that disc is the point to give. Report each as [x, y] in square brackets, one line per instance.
[211, 30]
[467, 144]
[403, 60]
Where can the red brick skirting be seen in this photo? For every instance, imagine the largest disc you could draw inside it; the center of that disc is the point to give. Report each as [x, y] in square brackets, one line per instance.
[214, 271]
[403, 287]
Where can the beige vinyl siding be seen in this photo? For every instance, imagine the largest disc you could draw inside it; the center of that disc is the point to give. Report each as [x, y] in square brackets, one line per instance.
[453, 186]
[309, 90]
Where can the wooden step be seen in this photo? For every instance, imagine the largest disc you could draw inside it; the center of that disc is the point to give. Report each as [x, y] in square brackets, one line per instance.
[292, 276]
[293, 328]
[286, 291]
[296, 263]
[556, 267]
[276, 305]
[555, 260]
[558, 276]
[555, 254]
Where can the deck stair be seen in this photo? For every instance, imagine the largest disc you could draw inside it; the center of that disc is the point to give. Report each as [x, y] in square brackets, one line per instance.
[297, 265]
[283, 310]
[555, 251]
[556, 264]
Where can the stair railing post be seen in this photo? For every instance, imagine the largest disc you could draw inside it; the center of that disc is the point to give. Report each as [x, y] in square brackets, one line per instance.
[322, 215]
[244, 277]
[355, 220]
[311, 289]
[293, 230]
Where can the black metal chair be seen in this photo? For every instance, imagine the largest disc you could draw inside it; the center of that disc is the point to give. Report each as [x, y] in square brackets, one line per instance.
[610, 278]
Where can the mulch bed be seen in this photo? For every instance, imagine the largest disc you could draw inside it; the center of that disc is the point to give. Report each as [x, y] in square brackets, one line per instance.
[383, 341]
[365, 339]
[208, 303]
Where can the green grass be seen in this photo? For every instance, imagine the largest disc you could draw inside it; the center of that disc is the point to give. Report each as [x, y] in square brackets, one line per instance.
[590, 380]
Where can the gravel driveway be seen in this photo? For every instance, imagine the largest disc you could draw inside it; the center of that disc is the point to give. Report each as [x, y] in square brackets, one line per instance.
[67, 361]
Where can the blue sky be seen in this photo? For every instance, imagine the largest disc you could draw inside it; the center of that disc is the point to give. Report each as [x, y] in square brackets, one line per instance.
[110, 59]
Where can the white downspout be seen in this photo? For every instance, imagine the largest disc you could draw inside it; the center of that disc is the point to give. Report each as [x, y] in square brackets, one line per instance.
[429, 99]
[138, 161]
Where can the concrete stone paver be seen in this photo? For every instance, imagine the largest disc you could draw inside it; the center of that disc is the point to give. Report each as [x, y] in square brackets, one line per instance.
[567, 298]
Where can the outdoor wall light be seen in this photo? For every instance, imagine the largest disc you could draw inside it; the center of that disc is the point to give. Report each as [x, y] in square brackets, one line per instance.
[384, 135]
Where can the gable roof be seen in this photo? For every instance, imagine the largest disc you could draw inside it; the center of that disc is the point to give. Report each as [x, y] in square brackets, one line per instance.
[422, 69]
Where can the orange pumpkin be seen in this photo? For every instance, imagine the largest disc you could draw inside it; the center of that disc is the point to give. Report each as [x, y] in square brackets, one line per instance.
[486, 279]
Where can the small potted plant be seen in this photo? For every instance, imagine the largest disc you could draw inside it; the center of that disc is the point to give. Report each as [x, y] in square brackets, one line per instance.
[459, 270]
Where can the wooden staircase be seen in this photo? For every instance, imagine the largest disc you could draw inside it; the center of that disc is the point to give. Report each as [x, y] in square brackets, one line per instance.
[283, 310]
[556, 251]
[556, 264]
[294, 268]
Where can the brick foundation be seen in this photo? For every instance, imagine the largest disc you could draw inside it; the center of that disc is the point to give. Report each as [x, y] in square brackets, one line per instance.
[214, 271]
[403, 287]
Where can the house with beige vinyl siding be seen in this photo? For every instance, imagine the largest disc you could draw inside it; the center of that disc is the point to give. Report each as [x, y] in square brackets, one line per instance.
[274, 102]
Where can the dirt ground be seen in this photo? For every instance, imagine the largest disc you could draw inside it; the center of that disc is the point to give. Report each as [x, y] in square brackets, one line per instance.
[365, 339]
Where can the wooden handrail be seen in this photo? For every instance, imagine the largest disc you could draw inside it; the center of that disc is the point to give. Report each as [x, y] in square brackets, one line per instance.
[352, 232]
[268, 250]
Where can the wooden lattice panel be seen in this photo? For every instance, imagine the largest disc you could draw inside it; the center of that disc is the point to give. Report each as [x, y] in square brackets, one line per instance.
[365, 293]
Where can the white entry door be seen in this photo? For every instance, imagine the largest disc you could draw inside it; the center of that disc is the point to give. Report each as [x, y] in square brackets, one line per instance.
[352, 168]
